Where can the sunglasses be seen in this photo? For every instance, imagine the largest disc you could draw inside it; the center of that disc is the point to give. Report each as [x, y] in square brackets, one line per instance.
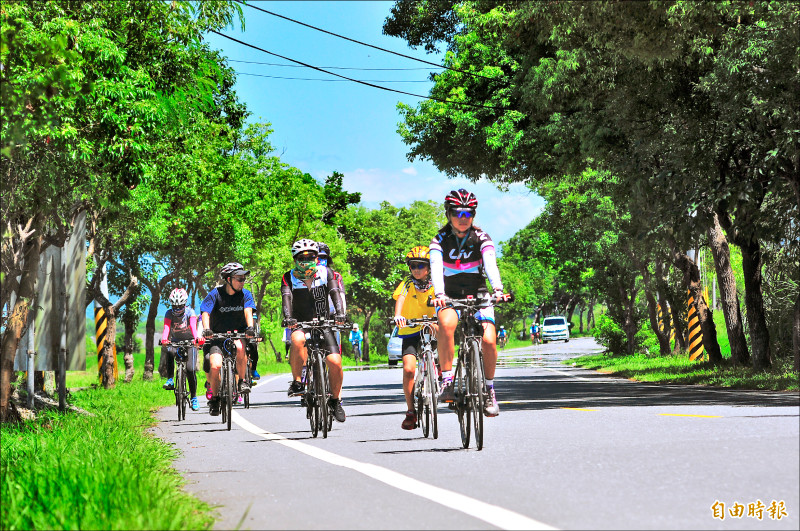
[417, 265]
[239, 279]
[178, 309]
[463, 213]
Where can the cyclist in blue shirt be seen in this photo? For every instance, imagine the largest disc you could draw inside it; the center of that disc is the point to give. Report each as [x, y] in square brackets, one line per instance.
[227, 308]
[356, 337]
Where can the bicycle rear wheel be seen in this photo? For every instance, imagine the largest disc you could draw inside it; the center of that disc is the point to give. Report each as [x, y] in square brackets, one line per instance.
[433, 397]
[229, 391]
[476, 392]
[180, 390]
[222, 394]
[320, 391]
[461, 398]
[312, 409]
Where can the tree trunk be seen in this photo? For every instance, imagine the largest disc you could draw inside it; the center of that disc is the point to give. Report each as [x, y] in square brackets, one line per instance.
[580, 320]
[666, 316]
[365, 348]
[652, 310]
[691, 276]
[754, 301]
[796, 333]
[149, 332]
[727, 293]
[571, 307]
[677, 323]
[628, 322]
[590, 322]
[130, 329]
[17, 323]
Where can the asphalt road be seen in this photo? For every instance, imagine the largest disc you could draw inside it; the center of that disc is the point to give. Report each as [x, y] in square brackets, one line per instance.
[571, 449]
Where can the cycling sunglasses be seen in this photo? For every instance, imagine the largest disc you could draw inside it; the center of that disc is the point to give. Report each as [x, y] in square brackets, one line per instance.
[417, 265]
[463, 213]
[306, 258]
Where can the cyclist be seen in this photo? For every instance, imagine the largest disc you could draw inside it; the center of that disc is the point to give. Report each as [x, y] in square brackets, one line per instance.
[305, 290]
[180, 323]
[535, 332]
[356, 337]
[501, 335]
[462, 257]
[411, 302]
[324, 258]
[227, 308]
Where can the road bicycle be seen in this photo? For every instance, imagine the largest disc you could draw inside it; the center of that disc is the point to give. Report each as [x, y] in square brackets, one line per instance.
[501, 341]
[426, 381]
[469, 380]
[357, 352]
[182, 398]
[316, 384]
[228, 391]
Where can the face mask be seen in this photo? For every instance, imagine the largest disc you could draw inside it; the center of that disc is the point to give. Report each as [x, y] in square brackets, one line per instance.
[306, 269]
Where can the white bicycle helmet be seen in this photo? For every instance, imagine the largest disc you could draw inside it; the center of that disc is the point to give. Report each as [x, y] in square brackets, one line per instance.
[304, 246]
[178, 297]
[232, 268]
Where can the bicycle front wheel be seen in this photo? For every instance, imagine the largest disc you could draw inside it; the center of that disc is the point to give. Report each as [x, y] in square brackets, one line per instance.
[312, 409]
[229, 392]
[433, 396]
[462, 398]
[476, 392]
[180, 391]
[320, 391]
[327, 396]
[249, 379]
[423, 413]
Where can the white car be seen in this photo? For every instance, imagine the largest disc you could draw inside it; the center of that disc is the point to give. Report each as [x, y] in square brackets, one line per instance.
[555, 328]
[395, 347]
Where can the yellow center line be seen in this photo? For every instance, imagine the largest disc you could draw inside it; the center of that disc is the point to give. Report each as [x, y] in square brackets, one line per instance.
[578, 409]
[698, 416]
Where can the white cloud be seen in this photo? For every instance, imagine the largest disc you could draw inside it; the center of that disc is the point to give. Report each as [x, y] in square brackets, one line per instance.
[409, 171]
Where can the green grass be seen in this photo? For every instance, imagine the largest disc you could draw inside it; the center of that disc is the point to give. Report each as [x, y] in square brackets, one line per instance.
[71, 471]
[678, 369]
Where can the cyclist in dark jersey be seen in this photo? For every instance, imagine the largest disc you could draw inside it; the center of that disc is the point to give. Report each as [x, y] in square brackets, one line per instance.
[225, 309]
[305, 290]
[462, 258]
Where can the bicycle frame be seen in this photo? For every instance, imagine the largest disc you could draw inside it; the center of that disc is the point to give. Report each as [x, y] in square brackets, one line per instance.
[227, 372]
[426, 380]
[316, 380]
[181, 355]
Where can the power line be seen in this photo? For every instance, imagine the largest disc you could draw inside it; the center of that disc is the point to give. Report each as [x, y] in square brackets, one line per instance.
[331, 80]
[366, 44]
[354, 80]
[328, 67]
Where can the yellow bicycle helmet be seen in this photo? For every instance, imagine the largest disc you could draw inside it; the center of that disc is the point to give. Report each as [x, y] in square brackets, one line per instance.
[420, 253]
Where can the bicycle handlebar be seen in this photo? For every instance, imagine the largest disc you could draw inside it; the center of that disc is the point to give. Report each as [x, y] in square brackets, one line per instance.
[323, 323]
[234, 335]
[477, 302]
[180, 343]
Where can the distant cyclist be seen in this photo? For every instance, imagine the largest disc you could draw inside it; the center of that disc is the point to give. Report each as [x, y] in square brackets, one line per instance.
[227, 308]
[462, 257]
[536, 332]
[252, 347]
[411, 302]
[356, 337]
[304, 293]
[502, 335]
[180, 324]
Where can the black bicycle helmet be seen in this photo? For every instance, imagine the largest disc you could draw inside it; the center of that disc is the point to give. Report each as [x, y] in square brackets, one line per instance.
[232, 268]
[460, 199]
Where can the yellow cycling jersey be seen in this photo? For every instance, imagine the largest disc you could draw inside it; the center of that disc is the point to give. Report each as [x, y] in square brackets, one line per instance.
[415, 305]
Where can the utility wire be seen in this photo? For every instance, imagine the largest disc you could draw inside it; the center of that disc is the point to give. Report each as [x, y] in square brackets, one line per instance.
[366, 44]
[331, 80]
[328, 67]
[354, 80]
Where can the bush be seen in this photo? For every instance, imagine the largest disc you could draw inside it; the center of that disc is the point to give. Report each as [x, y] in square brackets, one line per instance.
[610, 335]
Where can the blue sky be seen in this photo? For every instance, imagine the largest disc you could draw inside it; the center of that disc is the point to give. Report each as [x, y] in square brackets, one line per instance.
[325, 126]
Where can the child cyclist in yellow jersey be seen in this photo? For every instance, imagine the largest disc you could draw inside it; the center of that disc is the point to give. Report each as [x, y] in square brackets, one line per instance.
[411, 298]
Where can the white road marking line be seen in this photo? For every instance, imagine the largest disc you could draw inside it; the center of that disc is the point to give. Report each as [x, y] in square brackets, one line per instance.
[566, 374]
[492, 514]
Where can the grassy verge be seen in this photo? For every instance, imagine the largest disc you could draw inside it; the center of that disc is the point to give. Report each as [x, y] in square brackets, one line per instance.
[71, 471]
[678, 369]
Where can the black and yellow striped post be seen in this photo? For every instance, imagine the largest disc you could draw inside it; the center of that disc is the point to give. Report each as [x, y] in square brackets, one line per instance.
[694, 334]
[662, 327]
[100, 327]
